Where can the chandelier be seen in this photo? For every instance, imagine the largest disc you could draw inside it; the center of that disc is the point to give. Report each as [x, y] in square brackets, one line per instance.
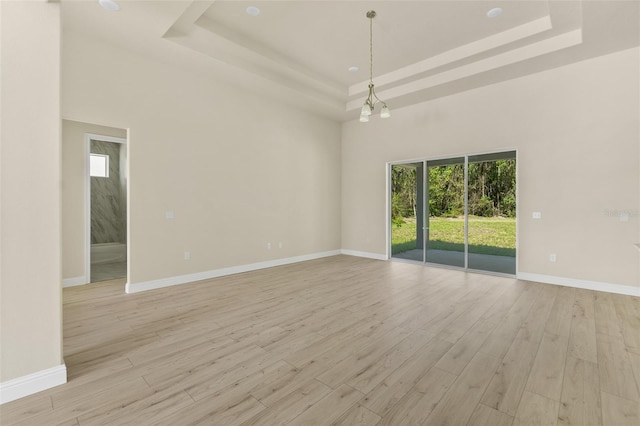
[372, 99]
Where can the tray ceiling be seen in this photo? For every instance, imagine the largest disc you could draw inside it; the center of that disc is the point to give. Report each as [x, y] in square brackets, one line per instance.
[300, 51]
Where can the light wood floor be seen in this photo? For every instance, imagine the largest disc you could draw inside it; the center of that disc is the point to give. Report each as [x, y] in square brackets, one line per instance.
[345, 340]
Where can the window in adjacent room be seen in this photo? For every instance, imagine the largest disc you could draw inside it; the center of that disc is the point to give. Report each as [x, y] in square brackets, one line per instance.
[99, 165]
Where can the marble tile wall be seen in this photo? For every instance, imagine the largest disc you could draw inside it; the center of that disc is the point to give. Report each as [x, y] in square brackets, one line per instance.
[108, 196]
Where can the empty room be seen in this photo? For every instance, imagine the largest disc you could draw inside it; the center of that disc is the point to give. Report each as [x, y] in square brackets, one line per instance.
[320, 212]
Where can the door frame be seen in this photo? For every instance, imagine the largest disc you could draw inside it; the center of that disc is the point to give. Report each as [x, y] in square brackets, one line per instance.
[88, 137]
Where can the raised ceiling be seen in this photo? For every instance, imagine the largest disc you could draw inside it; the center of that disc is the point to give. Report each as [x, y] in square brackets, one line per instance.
[300, 51]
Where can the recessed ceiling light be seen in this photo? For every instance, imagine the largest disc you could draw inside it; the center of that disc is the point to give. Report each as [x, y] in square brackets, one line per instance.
[110, 5]
[495, 12]
[253, 11]
[353, 69]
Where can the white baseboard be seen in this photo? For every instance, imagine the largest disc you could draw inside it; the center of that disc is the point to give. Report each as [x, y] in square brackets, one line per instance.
[184, 279]
[32, 383]
[368, 255]
[584, 284]
[72, 282]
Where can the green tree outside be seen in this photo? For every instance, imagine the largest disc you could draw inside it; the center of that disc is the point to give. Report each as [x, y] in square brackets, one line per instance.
[491, 204]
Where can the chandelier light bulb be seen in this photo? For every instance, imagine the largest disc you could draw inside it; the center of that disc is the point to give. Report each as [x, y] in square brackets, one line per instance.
[384, 112]
[366, 109]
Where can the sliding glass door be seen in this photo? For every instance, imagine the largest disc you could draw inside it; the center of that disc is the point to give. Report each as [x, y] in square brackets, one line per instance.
[459, 212]
[445, 198]
[492, 212]
[407, 211]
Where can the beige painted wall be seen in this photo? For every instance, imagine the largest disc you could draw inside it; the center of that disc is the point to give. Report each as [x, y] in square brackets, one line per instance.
[577, 133]
[30, 288]
[238, 170]
[73, 193]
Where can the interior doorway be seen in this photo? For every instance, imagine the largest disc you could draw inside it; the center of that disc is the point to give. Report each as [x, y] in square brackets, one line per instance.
[456, 212]
[106, 207]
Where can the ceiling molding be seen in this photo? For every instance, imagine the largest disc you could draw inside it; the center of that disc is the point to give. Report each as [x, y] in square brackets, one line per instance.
[195, 31]
[253, 52]
[185, 21]
[475, 48]
[530, 51]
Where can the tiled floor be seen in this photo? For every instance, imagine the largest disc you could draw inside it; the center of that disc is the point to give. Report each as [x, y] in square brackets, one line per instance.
[108, 271]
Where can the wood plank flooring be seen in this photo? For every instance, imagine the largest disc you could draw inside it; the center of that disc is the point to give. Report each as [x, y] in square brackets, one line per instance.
[344, 341]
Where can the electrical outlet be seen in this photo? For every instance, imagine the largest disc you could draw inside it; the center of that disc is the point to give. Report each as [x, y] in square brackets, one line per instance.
[536, 215]
[187, 255]
[268, 246]
[280, 244]
[552, 257]
[168, 215]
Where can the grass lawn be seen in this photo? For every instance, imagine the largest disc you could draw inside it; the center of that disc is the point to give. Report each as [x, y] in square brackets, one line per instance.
[487, 235]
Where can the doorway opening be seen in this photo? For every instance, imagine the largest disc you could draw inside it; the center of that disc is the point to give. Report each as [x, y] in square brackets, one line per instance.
[456, 212]
[106, 207]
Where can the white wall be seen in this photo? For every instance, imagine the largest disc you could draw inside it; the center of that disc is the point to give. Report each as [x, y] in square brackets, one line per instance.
[576, 130]
[238, 170]
[30, 318]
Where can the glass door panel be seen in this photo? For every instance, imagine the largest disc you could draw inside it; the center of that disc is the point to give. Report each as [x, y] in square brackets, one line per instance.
[445, 229]
[407, 211]
[458, 211]
[492, 212]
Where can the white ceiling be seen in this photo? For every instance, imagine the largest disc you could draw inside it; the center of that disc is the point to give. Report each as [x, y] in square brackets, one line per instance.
[300, 51]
